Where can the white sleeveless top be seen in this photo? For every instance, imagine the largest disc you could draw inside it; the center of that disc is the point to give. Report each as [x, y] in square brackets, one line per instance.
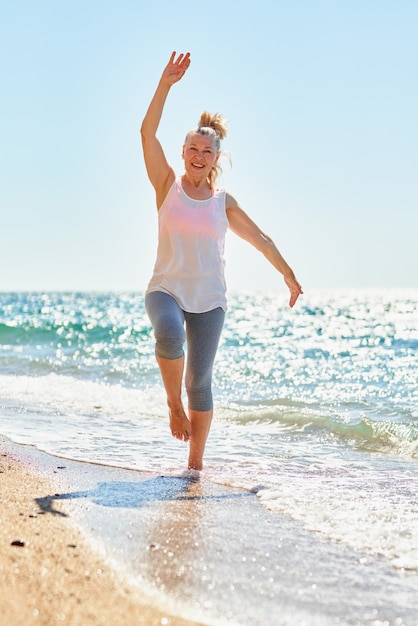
[190, 255]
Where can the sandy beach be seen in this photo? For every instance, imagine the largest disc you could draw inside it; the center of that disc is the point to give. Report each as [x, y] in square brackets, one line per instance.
[48, 573]
[85, 544]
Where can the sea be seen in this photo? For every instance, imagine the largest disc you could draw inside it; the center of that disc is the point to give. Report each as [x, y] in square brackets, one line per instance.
[316, 407]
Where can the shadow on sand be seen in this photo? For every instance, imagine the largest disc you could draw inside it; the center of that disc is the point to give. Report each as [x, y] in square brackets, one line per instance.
[133, 495]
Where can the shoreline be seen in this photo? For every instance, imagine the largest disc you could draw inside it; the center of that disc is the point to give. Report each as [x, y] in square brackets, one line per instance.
[49, 574]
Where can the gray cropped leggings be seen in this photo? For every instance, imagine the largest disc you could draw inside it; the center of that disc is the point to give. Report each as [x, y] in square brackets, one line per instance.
[202, 334]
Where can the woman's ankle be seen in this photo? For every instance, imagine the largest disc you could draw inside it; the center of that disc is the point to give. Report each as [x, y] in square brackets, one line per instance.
[195, 464]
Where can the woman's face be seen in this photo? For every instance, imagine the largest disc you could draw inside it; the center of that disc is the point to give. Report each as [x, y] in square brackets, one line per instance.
[199, 155]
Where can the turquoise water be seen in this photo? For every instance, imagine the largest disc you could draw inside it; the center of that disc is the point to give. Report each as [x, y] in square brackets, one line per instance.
[316, 408]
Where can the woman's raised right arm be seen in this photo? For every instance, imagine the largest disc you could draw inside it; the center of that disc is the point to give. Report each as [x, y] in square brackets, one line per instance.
[159, 171]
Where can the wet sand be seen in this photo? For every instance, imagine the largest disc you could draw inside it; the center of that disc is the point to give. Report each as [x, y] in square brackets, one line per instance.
[48, 572]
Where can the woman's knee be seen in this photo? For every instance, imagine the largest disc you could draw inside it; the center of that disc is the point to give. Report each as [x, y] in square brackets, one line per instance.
[169, 338]
[167, 320]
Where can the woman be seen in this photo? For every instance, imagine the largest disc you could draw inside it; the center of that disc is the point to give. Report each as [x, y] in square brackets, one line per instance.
[185, 299]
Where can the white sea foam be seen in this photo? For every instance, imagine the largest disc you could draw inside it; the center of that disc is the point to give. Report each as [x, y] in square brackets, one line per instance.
[59, 393]
[376, 518]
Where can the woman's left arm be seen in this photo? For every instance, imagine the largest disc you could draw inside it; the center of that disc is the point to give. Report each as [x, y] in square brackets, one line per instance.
[243, 226]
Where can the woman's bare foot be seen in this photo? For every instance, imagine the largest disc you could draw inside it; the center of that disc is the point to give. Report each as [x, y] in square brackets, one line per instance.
[179, 424]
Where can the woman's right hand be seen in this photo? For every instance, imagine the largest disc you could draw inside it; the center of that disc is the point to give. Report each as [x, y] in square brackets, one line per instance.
[175, 68]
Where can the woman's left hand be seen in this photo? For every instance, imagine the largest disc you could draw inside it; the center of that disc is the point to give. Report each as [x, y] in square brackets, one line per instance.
[294, 288]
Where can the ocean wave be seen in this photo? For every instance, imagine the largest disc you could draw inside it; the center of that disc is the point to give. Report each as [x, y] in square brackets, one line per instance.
[33, 333]
[82, 350]
[396, 434]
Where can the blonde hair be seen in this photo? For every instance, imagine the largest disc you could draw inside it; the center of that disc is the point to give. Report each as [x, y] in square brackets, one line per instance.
[213, 125]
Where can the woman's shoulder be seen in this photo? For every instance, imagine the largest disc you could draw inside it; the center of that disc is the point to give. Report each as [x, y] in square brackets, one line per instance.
[230, 200]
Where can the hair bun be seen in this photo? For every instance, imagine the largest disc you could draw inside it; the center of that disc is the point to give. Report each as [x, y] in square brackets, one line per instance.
[215, 121]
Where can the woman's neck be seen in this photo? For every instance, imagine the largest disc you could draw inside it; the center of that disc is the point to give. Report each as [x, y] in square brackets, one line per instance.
[197, 189]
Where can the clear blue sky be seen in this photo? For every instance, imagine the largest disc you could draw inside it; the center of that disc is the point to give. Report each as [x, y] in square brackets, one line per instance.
[321, 98]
